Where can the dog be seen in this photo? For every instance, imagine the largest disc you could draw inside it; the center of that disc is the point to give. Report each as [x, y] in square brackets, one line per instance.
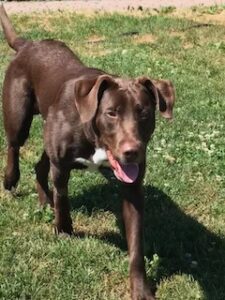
[92, 120]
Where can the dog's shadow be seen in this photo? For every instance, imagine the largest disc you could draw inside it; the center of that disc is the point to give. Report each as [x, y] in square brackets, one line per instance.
[182, 243]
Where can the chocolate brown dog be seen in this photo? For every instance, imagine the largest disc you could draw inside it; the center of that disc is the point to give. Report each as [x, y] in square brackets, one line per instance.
[84, 109]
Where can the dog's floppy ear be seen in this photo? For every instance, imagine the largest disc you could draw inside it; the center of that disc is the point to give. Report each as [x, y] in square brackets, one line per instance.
[164, 94]
[88, 92]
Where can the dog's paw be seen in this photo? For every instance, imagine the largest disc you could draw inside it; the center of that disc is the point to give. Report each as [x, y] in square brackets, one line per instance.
[144, 296]
[63, 229]
[10, 183]
[142, 293]
[62, 235]
[11, 180]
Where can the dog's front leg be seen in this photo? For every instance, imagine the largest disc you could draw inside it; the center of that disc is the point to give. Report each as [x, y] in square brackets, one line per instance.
[63, 221]
[133, 215]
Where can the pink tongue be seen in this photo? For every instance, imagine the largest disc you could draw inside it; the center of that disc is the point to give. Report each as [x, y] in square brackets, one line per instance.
[124, 172]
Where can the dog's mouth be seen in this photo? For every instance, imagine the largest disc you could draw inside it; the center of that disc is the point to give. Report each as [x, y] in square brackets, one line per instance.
[127, 173]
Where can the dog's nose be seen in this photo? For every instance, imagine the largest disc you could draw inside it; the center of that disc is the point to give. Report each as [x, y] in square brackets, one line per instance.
[130, 151]
[131, 155]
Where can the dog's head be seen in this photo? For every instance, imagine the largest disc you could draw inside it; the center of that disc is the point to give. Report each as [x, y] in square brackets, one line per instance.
[122, 113]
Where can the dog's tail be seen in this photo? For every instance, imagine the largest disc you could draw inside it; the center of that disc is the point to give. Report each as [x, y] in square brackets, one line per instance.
[9, 32]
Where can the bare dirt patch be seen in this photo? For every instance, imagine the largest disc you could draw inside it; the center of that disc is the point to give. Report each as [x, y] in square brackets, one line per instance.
[177, 34]
[144, 39]
[217, 18]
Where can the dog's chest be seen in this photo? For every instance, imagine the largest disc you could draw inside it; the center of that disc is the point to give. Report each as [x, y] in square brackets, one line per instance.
[94, 162]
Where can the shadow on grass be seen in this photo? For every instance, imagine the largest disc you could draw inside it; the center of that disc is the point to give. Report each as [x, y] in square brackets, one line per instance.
[183, 244]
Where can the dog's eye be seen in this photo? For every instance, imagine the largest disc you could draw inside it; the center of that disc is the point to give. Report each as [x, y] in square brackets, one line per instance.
[111, 113]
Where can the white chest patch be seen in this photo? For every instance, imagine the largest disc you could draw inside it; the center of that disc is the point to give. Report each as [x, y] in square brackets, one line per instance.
[98, 159]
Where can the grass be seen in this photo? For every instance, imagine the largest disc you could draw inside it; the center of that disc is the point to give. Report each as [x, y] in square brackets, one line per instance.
[184, 183]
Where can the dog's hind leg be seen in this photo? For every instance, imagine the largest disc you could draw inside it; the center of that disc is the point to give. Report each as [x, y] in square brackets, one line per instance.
[18, 115]
[42, 170]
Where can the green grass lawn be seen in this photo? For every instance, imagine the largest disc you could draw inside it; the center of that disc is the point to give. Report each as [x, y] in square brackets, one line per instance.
[184, 183]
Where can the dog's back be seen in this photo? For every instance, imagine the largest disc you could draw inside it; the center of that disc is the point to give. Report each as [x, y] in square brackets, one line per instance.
[46, 64]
